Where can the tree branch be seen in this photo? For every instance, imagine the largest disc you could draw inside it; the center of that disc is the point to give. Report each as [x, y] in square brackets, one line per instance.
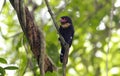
[34, 36]
[66, 45]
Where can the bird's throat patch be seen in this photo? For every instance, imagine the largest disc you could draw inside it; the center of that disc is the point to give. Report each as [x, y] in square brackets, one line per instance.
[66, 25]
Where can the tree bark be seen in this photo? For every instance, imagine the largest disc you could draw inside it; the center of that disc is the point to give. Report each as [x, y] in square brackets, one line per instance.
[34, 36]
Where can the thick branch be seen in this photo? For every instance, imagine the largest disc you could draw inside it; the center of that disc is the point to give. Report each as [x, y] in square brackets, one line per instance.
[34, 36]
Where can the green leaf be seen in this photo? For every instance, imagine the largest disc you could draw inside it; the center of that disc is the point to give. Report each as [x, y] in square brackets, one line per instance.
[2, 71]
[51, 74]
[11, 68]
[2, 60]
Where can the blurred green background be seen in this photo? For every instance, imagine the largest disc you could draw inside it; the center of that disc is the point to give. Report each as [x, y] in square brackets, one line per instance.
[96, 47]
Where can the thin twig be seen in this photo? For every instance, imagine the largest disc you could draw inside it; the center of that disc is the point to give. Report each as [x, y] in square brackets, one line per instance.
[54, 21]
[66, 45]
[29, 59]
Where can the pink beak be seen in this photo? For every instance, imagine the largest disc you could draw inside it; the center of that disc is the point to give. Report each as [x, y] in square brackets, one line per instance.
[62, 20]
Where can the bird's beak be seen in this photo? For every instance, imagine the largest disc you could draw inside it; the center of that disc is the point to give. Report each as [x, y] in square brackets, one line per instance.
[62, 20]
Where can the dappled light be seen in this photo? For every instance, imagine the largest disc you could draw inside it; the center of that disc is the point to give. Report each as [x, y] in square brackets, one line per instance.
[95, 50]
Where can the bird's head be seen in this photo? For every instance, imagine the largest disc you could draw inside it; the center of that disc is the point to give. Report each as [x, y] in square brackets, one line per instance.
[65, 19]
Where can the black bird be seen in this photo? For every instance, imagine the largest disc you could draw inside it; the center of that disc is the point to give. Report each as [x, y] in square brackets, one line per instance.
[67, 31]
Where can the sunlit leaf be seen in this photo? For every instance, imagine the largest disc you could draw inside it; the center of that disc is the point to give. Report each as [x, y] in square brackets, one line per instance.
[2, 71]
[2, 60]
[11, 68]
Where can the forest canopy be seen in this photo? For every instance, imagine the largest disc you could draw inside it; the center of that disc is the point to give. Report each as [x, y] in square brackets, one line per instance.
[95, 49]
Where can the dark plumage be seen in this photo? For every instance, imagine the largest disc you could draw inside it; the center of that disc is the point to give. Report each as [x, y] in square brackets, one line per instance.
[67, 31]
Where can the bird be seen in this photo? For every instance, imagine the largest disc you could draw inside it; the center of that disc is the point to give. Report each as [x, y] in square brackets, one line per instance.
[67, 31]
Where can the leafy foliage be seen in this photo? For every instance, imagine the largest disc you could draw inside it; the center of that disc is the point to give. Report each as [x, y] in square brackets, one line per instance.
[2, 69]
[2, 60]
[87, 57]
